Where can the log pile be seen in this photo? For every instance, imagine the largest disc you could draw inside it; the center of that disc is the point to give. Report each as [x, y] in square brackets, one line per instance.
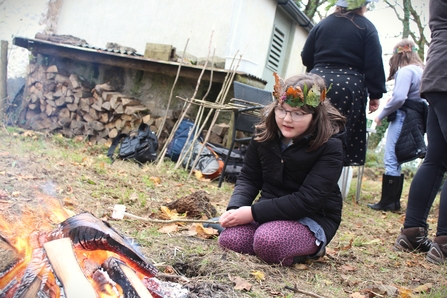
[57, 101]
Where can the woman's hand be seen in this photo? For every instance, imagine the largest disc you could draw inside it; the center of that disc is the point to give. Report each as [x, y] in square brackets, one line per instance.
[373, 105]
[236, 217]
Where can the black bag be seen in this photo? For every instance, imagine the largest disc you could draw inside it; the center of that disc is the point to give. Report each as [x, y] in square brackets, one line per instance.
[140, 146]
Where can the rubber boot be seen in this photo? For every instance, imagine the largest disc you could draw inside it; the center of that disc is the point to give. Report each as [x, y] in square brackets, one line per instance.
[399, 192]
[390, 189]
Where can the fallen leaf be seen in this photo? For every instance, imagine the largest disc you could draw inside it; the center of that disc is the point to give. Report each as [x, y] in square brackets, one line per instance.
[198, 175]
[241, 284]
[259, 275]
[301, 266]
[203, 232]
[68, 201]
[29, 133]
[357, 295]
[347, 268]
[169, 270]
[331, 252]
[169, 229]
[423, 288]
[405, 292]
[156, 180]
[349, 246]
[169, 214]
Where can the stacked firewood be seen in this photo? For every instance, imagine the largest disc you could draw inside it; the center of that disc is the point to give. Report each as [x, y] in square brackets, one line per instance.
[56, 101]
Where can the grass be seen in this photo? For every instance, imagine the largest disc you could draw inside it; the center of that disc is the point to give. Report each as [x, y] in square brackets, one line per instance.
[360, 260]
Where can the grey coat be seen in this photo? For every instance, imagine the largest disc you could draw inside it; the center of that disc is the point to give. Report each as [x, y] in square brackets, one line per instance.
[434, 77]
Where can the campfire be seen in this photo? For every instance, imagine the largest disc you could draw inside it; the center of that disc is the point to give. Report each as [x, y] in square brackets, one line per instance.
[83, 257]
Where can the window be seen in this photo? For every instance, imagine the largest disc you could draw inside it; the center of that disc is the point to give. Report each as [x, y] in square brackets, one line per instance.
[276, 50]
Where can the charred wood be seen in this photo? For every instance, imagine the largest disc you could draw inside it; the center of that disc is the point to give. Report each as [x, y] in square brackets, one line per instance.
[90, 233]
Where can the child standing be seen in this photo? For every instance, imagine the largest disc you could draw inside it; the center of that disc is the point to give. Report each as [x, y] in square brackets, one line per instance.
[293, 163]
[407, 116]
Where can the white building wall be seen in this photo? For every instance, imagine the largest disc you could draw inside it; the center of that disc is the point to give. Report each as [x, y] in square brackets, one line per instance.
[21, 18]
[228, 27]
[295, 65]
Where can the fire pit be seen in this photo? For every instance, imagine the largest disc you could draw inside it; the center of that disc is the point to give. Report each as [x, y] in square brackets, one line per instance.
[83, 257]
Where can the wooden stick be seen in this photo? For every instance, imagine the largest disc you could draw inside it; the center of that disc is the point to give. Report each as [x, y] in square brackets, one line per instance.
[65, 265]
[296, 290]
[169, 220]
[160, 129]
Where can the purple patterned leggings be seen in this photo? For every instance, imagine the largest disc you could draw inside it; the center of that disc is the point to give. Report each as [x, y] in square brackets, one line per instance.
[274, 242]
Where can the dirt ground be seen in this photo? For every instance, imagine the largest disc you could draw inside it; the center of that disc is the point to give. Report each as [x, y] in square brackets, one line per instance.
[40, 174]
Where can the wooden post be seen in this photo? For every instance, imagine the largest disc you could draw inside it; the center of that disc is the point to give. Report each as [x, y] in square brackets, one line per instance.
[62, 258]
[3, 76]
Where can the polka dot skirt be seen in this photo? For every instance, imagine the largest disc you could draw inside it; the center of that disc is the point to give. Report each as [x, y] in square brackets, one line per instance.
[348, 94]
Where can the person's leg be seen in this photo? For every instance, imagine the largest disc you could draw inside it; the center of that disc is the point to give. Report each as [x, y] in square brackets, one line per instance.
[392, 166]
[239, 238]
[438, 251]
[280, 241]
[391, 180]
[428, 178]
[427, 181]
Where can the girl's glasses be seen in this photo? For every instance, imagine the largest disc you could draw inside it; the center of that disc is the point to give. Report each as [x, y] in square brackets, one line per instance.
[295, 115]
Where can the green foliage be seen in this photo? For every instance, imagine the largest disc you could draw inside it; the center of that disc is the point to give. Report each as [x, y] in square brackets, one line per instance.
[375, 138]
[353, 4]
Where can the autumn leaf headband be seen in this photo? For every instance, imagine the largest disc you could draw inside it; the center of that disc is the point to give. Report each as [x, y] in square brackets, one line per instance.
[405, 49]
[297, 97]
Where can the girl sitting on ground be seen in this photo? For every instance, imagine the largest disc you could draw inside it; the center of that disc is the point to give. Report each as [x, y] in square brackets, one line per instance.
[293, 163]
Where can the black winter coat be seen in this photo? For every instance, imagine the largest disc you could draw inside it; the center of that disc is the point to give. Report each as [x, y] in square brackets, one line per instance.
[411, 143]
[293, 184]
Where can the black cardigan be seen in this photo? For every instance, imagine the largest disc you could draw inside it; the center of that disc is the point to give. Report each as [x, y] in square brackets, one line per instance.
[355, 43]
[293, 184]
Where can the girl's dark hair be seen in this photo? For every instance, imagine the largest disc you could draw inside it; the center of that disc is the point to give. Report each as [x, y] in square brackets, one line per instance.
[326, 120]
[407, 56]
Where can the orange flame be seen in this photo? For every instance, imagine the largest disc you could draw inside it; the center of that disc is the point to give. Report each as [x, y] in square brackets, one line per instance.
[20, 232]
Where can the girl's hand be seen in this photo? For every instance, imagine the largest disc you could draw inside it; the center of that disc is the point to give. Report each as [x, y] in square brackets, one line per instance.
[236, 217]
[378, 121]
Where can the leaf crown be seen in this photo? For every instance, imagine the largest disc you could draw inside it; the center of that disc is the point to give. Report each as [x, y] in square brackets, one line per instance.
[297, 97]
[405, 49]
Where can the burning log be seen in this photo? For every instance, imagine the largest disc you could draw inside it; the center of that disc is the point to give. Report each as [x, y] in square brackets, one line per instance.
[83, 257]
[89, 233]
[64, 263]
[37, 280]
[126, 278]
[8, 255]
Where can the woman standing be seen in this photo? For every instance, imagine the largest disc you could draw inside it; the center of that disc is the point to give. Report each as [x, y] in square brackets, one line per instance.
[428, 178]
[293, 164]
[407, 114]
[345, 50]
